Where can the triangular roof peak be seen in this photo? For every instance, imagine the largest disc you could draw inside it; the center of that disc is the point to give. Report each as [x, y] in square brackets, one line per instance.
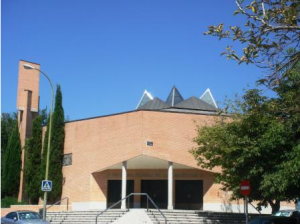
[195, 104]
[208, 98]
[146, 97]
[154, 104]
[174, 97]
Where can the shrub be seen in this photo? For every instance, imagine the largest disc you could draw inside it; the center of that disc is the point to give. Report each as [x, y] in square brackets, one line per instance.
[8, 201]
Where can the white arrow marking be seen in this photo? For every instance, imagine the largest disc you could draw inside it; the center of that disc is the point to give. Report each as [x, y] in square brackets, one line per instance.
[245, 188]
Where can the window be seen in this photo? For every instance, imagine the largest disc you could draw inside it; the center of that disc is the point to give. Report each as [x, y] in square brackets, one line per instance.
[9, 215]
[67, 159]
[149, 143]
[12, 215]
[29, 215]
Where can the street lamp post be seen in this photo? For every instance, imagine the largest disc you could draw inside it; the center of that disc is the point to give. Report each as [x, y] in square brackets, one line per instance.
[26, 66]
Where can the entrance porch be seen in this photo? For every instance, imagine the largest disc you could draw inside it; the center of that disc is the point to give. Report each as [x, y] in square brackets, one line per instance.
[170, 185]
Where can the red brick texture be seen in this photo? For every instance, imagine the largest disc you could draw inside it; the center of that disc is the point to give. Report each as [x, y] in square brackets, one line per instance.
[98, 143]
[27, 106]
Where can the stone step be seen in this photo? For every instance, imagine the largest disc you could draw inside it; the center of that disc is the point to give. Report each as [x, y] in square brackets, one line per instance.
[193, 211]
[93, 215]
[88, 219]
[198, 213]
[175, 217]
[84, 217]
[87, 212]
[83, 222]
[199, 222]
[193, 217]
[197, 216]
[184, 214]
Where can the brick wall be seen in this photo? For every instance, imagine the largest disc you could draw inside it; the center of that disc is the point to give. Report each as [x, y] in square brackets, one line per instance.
[98, 143]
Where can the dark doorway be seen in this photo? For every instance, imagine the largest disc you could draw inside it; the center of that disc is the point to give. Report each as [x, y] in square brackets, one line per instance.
[157, 190]
[189, 194]
[114, 192]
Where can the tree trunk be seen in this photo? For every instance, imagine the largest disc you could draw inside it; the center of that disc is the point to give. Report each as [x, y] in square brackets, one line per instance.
[275, 206]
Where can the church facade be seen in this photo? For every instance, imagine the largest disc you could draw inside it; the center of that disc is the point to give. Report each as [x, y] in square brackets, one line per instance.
[145, 150]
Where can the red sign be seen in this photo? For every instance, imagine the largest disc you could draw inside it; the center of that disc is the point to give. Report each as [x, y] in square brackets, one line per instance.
[245, 187]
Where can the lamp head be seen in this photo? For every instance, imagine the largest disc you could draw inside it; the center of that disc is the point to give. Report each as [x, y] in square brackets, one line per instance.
[27, 66]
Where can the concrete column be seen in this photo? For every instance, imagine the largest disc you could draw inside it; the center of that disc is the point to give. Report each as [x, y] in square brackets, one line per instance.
[124, 182]
[170, 186]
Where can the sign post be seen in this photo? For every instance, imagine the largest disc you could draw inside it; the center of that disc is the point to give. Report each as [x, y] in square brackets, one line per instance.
[245, 189]
[246, 209]
[46, 187]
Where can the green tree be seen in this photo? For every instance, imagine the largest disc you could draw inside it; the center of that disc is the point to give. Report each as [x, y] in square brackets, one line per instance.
[33, 149]
[262, 134]
[258, 142]
[43, 113]
[8, 122]
[271, 29]
[11, 165]
[44, 156]
[286, 108]
[57, 148]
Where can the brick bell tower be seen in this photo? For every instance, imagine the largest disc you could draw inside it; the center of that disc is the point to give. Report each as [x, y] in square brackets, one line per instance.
[27, 107]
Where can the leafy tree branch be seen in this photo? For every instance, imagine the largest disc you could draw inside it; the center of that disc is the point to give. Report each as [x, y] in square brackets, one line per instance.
[271, 36]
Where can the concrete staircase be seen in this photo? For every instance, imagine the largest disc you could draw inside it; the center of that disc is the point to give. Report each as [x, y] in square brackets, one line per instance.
[84, 217]
[196, 217]
[173, 217]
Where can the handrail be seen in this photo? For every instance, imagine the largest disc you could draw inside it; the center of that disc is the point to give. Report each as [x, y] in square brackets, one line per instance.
[255, 208]
[59, 202]
[127, 197]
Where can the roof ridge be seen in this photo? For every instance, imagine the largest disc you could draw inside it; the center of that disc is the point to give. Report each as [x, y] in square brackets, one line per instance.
[208, 98]
[146, 97]
[174, 96]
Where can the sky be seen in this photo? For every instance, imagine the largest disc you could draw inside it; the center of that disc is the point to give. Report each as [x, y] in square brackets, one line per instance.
[105, 53]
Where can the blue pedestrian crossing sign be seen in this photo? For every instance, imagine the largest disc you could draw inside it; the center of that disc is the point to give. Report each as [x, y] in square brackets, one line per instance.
[46, 185]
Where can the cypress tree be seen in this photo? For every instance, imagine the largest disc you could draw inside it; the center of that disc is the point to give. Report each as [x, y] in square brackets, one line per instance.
[57, 148]
[33, 149]
[44, 157]
[43, 113]
[12, 165]
[8, 122]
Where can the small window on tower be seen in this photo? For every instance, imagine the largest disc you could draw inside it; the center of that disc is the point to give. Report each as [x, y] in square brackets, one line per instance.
[67, 159]
[21, 115]
[149, 143]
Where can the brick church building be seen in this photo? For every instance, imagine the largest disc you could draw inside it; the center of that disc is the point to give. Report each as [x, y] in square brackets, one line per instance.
[145, 150]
